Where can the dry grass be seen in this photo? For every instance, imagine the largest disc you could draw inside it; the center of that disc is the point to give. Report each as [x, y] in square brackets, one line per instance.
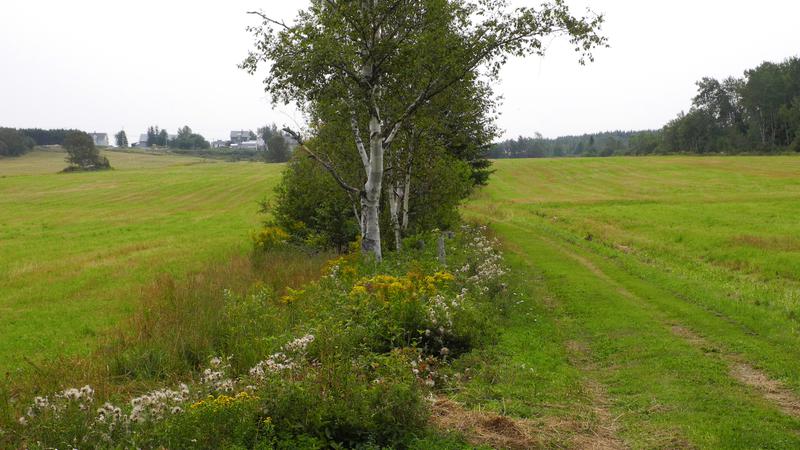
[484, 428]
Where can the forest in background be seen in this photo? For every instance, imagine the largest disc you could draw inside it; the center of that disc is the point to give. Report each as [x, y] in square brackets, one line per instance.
[756, 113]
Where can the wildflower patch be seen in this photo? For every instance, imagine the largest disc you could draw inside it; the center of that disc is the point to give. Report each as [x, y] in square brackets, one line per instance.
[362, 349]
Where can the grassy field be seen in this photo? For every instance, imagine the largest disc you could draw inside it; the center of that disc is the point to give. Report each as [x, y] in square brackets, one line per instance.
[658, 297]
[659, 300]
[76, 249]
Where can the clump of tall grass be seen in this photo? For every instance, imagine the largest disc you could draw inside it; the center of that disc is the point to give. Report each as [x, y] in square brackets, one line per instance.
[223, 310]
[232, 360]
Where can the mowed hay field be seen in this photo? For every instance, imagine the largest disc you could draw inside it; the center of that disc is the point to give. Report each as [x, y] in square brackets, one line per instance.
[729, 218]
[661, 301]
[76, 249]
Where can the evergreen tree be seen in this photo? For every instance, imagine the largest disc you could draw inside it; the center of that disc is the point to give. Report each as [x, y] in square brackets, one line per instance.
[122, 139]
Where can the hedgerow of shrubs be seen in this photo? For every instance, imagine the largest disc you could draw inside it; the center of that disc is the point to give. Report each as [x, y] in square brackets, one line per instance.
[347, 361]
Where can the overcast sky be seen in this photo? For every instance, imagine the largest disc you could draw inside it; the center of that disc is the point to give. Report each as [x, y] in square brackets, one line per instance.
[107, 65]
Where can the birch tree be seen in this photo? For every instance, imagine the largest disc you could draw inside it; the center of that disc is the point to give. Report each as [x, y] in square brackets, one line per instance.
[361, 53]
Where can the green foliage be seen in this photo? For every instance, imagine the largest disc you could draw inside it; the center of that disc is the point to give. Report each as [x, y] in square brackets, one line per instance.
[378, 340]
[187, 140]
[270, 238]
[46, 137]
[121, 139]
[437, 190]
[423, 76]
[82, 154]
[310, 206]
[755, 114]
[277, 147]
[156, 137]
[760, 111]
[13, 143]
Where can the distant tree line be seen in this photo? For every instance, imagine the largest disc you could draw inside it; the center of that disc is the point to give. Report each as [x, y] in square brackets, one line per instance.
[47, 137]
[186, 139]
[599, 144]
[14, 143]
[757, 113]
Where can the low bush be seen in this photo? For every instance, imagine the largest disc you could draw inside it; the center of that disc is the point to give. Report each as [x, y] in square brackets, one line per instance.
[82, 155]
[347, 360]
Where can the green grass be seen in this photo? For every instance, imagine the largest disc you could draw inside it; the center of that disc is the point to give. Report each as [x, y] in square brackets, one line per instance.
[610, 256]
[76, 249]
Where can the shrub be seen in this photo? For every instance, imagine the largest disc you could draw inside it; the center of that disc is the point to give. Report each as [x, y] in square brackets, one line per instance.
[270, 238]
[346, 361]
[82, 154]
[312, 208]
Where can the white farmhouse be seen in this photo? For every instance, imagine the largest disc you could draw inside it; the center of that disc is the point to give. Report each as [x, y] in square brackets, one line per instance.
[100, 139]
[238, 137]
[257, 144]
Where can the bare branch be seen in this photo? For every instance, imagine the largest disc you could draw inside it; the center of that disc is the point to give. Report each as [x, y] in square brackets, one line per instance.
[263, 16]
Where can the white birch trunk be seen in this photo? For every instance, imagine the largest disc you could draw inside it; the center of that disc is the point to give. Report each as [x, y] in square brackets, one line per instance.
[370, 200]
[406, 196]
[395, 199]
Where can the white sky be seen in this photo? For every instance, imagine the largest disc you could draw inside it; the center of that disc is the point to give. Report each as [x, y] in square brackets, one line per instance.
[101, 65]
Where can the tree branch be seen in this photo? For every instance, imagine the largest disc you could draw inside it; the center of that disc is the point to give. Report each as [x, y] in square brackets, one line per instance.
[326, 164]
[359, 142]
[422, 97]
[263, 16]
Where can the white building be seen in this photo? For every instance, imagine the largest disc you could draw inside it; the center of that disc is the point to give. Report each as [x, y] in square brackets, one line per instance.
[100, 139]
[239, 137]
[257, 144]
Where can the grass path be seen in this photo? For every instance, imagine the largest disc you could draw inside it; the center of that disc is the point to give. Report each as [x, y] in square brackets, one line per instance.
[613, 347]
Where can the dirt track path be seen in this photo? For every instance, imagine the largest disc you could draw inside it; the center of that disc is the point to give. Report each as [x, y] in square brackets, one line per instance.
[651, 379]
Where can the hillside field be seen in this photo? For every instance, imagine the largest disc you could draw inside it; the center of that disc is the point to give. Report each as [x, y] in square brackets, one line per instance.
[76, 249]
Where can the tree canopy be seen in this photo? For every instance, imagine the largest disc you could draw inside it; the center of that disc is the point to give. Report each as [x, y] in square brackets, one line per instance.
[82, 153]
[372, 66]
[121, 139]
[188, 140]
[757, 113]
[277, 148]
